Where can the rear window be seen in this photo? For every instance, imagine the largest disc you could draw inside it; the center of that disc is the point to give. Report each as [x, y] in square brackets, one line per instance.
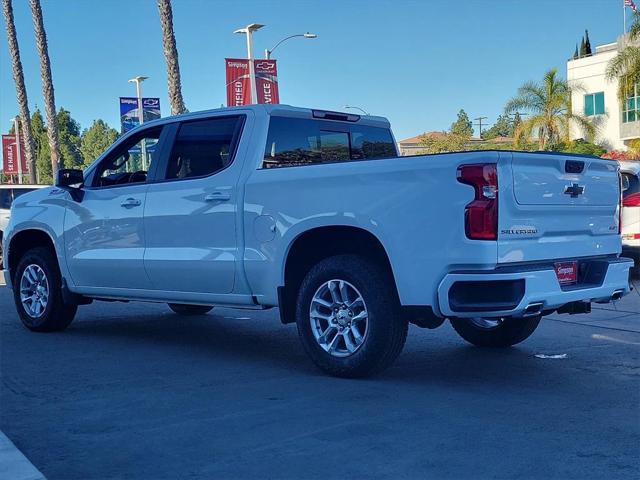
[298, 141]
[630, 184]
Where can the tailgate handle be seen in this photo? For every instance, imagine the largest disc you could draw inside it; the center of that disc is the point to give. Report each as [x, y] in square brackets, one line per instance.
[573, 166]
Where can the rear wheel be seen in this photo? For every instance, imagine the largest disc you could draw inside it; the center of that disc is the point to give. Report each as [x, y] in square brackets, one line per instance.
[495, 332]
[181, 309]
[37, 292]
[348, 317]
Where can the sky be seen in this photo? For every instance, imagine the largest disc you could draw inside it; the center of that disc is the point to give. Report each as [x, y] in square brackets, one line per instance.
[414, 62]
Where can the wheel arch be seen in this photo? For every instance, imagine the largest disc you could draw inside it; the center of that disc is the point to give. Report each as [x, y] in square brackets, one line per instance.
[25, 240]
[313, 245]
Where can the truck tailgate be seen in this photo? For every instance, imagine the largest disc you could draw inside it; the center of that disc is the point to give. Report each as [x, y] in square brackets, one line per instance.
[555, 206]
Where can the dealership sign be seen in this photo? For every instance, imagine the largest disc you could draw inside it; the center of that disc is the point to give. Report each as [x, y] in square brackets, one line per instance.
[129, 116]
[239, 81]
[10, 156]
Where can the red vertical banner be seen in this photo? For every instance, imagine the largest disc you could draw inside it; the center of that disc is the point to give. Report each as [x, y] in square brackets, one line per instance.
[10, 156]
[238, 82]
[267, 81]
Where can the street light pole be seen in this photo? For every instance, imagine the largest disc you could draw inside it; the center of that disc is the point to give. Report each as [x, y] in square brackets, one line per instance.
[248, 31]
[16, 128]
[268, 52]
[143, 147]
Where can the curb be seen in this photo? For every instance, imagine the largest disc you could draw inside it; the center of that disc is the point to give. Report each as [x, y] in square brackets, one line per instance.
[13, 464]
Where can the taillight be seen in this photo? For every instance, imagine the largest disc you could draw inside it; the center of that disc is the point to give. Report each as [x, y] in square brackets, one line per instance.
[481, 215]
[632, 200]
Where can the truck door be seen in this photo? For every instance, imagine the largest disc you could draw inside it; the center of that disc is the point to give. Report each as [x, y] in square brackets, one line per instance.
[190, 213]
[104, 234]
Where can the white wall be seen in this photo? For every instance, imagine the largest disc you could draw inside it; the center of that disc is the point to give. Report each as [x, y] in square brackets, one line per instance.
[589, 73]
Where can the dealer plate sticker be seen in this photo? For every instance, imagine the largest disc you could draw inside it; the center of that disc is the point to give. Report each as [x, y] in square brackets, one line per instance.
[567, 272]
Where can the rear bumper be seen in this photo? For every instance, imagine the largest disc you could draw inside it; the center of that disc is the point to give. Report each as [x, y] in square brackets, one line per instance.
[632, 250]
[508, 292]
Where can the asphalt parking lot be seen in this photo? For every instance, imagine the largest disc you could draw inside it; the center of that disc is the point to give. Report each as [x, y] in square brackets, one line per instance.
[134, 391]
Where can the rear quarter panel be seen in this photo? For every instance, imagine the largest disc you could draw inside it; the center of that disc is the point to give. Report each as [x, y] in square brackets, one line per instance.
[413, 205]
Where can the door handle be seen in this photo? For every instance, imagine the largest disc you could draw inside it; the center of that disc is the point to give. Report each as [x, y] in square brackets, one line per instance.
[217, 197]
[131, 202]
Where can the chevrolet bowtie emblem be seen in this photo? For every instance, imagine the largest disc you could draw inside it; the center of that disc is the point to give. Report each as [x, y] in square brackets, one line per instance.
[574, 190]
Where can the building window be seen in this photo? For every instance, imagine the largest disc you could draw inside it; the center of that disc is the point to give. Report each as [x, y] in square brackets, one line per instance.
[594, 104]
[631, 106]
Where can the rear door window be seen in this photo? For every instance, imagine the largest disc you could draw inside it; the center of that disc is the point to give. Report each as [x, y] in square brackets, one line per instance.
[203, 147]
[299, 141]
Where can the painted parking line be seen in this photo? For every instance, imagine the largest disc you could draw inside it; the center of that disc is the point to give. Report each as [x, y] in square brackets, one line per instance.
[13, 464]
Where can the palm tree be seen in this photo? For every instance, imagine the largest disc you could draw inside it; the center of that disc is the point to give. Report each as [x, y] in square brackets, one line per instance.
[171, 56]
[549, 107]
[47, 88]
[625, 66]
[21, 90]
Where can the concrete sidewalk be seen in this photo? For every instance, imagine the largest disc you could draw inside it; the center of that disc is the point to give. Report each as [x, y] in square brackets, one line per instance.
[13, 464]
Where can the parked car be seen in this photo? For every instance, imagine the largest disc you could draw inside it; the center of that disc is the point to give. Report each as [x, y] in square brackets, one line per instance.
[315, 213]
[8, 193]
[630, 173]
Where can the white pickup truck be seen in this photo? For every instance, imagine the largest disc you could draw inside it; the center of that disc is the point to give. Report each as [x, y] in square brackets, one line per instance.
[315, 213]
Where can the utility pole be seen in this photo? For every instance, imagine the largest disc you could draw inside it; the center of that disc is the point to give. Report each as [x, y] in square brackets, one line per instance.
[479, 120]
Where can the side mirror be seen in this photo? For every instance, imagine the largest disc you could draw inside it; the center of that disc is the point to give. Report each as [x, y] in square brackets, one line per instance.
[72, 181]
[69, 178]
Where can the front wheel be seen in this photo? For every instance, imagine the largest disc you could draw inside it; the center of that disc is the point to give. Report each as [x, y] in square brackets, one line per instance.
[181, 309]
[37, 292]
[495, 332]
[348, 317]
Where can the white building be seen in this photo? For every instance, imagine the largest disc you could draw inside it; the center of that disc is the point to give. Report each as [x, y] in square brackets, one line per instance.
[597, 98]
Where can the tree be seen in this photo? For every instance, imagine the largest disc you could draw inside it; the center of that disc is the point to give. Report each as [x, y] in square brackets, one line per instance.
[441, 142]
[171, 56]
[69, 137]
[625, 66]
[549, 104]
[47, 86]
[583, 48]
[462, 126]
[575, 54]
[502, 128]
[95, 140]
[21, 90]
[587, 43]
[69, 130]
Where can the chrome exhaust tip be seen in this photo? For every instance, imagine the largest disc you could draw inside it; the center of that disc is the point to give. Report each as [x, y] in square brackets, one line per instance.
[533, 309]
[617, 295]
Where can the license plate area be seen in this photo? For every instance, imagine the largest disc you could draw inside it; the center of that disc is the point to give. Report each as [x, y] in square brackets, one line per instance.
[566, 272]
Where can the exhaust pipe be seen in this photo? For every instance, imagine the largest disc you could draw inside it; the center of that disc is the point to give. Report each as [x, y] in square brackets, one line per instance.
[617, 295]
[533, 309]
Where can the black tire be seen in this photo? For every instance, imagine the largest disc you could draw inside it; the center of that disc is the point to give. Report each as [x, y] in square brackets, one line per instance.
[181, 309]
[509, 332]
[386, 330]
[57, 314]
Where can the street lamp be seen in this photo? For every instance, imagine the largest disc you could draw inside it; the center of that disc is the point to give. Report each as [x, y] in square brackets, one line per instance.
[357, 108]
[143, 147]
[16, 128]
[248, 31]
[268, 52]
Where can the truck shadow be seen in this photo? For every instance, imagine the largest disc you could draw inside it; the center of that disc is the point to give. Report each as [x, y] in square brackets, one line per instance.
[212, 341]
